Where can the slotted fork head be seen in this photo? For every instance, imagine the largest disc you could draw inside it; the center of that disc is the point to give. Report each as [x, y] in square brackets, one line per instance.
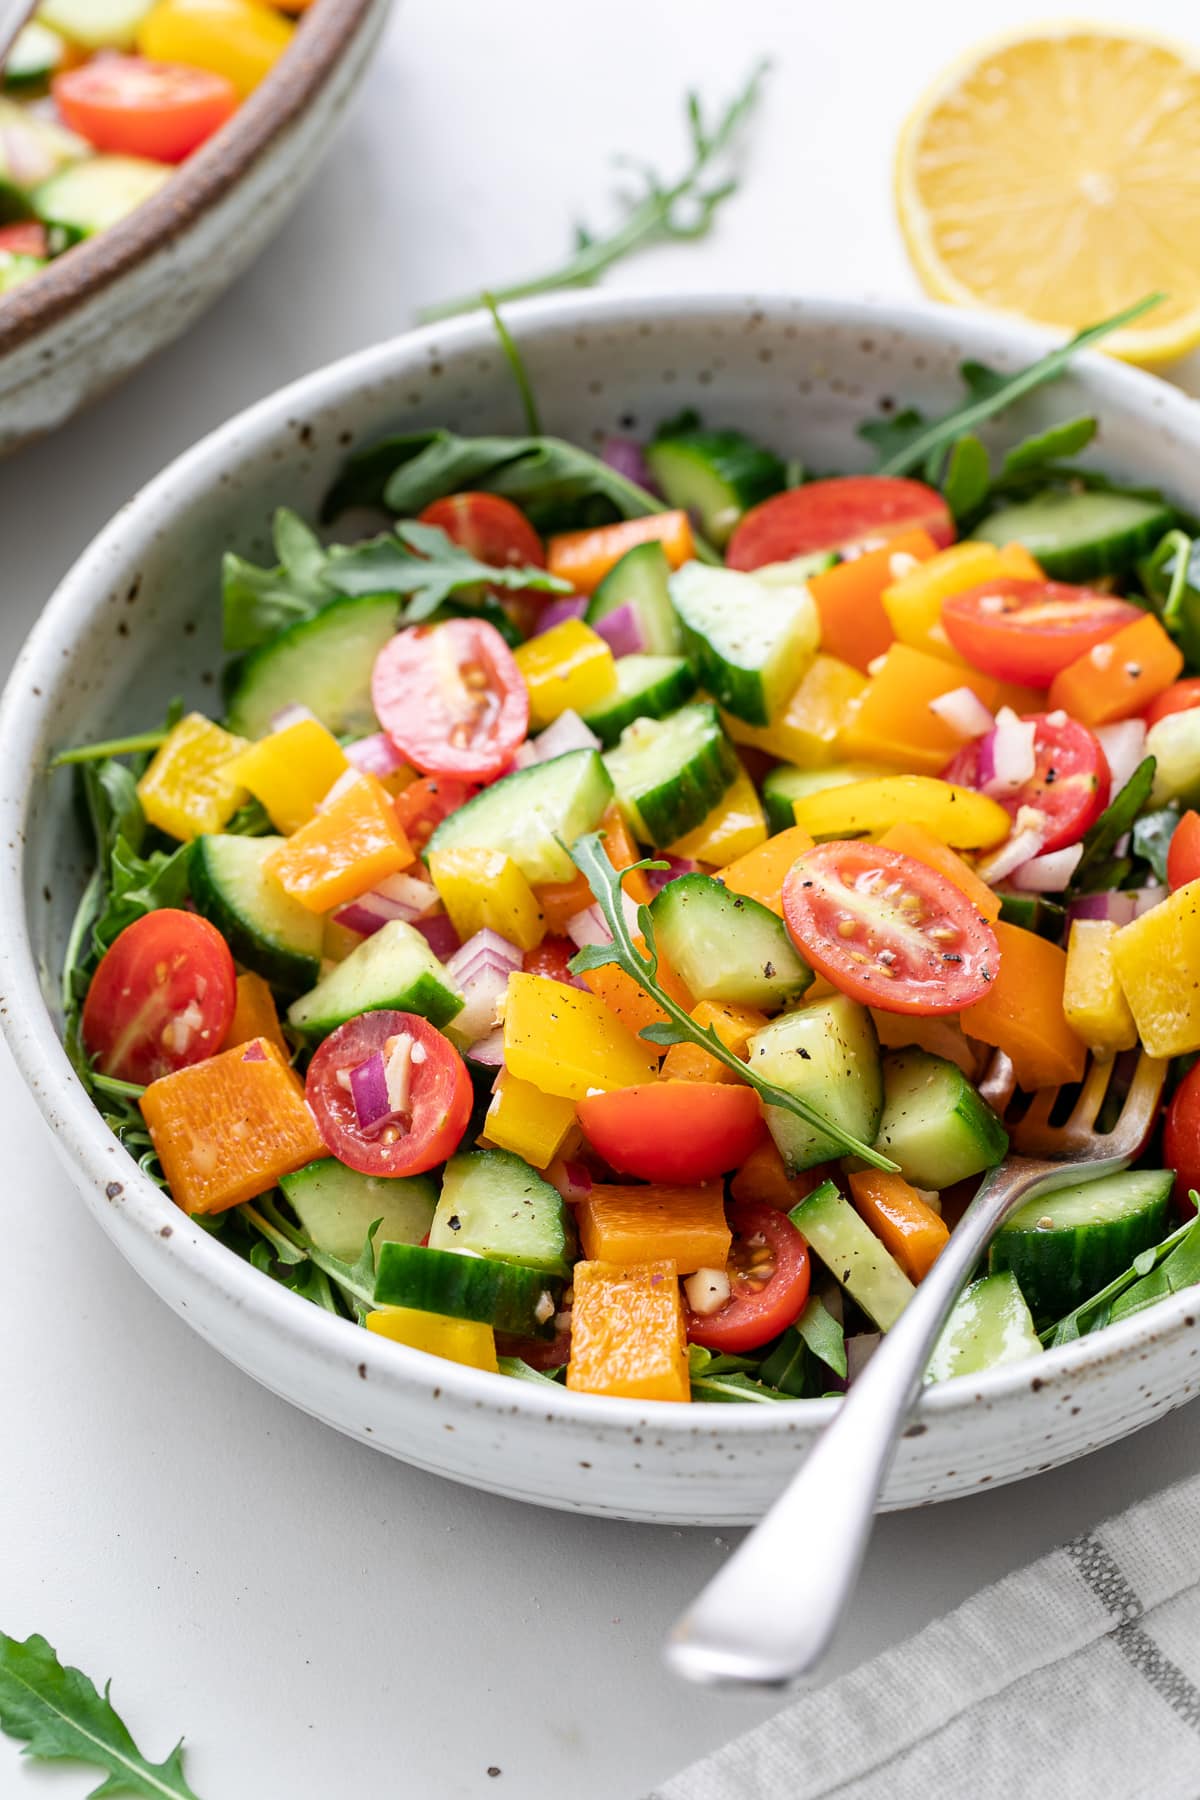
[1076, 1138]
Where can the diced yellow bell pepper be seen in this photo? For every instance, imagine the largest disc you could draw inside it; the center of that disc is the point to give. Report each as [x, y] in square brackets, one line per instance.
[627, 1332]
[760, 873]
[568, 1042]
[291, 771]
[188, 787]
[1093, 999]
[1156, 957]
[457, 1340]
[569, 666]
[240, 39]
[957, 815]
[808, 731]
[641, 1224]
[484, 890]
[734, 1025]
[914, 603]
[529, 1123]
[734, 826]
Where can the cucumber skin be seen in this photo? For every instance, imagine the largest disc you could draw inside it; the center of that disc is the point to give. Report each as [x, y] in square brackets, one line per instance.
[428, 993]
[1058, 1270]
[736, 472]
[504, 1295]
[662, 814]
[516, 1189]
[1107, 554]
[291, 971]
[640, 579]
[455, 832]
[669, 693]
[735, 914]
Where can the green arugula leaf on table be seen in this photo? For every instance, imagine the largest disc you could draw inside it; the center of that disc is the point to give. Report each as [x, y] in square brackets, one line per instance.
[1163, 1269]
[679, 1027]
[1098, 868]
[57, 1712]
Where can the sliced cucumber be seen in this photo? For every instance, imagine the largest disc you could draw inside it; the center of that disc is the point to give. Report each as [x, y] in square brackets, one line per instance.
[640, 580]
[96, 24]
[92, 196]
[1034, 912]
[670, 773]
[532, 813]
[504, 1294]
[1065, 1246]
[934, 1124]
[853, 1254]
[798, 569]
[337, 1206]
[29, 143]
[1078, 536]
[323, 663]
[648, 687]
[265, 928]
[786, 784]
[714, 475]
[495, 1205]
[750, 641]
[828, 1054]
[725, 946]
[37, 54]
[1174, 743]
[990, 1325]
[394, 970]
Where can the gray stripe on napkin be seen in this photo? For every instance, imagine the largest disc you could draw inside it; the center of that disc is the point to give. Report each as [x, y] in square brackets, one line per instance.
[1103, 1575]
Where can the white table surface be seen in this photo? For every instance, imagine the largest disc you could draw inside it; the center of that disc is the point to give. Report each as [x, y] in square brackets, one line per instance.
[319, 1620]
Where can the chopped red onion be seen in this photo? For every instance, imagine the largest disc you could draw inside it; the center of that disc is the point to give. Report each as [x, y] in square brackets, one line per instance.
[484, 946]
[572, 1179]
[571, 606]
[489, 1050]
[622, 631]
[369, 1092]
[410, 891]
[482, 987]
[676, 866]
[1114, 908]
[964, 712]
[524, 756]
[375, 755]
[859, 1350]
[293, 714]
[400, 897]
[25, 155]
[1047, 874]
[1147, 897]
[439, 934]
[1007, 757]
[254, 1052]
[1124, 747]
[625, 455]
[568, 732]
[341, 787]
[1022, 844]
[588, 927]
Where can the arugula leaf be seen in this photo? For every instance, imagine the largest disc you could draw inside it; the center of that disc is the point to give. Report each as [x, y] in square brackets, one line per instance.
[301, 1257]
[1094, 871]
[815, 1342]
[967, 478]
[892, 435]
[679, 1027]
[656, 212]
[523, 1371]
[423, 563]
[726, 1378]
[138, 885]
[257, 602]
[1143, 1274]
[823, 1335]
[59, 1715]
[1047, 446]
[1152, 836]
[1170, 576]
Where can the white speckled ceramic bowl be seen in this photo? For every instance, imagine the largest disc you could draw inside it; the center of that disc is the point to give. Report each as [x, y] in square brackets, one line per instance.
[137, 621]
[106, 306]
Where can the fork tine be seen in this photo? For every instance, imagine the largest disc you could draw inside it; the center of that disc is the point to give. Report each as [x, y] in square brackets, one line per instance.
[1140, 1110]
[1091, 1095]
[1036, 1121]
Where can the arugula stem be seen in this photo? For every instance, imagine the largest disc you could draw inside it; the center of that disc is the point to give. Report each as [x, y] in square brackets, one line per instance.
[293, 1246]
[1073, 1325]
[120, 1090]
[84, 753]
[516, 362]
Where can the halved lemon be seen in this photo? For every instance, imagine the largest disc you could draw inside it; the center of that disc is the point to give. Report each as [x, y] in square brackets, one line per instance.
[1057, 176]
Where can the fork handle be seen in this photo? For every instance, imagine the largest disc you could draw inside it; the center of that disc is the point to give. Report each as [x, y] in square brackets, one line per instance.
[768, 1617]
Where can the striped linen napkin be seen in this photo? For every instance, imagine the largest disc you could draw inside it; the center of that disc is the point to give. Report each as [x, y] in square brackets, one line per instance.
[1078, 1676]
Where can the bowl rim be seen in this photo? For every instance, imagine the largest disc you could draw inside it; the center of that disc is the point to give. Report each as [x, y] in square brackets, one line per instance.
[25, 1017]
[324, 35]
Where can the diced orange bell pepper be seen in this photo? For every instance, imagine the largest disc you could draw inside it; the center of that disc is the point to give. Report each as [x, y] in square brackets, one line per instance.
[854, 625]
[344, 851]
[561, 900]
[941, 1036]
[905, 1225]
[760, 873]
[627, 1332]
[291, 771]
[630, 1002]
[584, 557]
[1016, 560]
[1120, 677]
[226, 1129]
[915, 841]
[1022, 1012]
[893, 723]
[639, 1224]
[734, 1025]
[255, 1016]
[763, 1176]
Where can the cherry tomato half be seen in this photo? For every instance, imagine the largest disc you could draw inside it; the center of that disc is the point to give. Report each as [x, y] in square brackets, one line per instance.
[1027, 631]
[424, 803]
[550, 958]
[26, 238]
[1183, 852]
[1181, 696]
[451, 698]
[1070, 782]
[846, 512]
[139, 108]
[769, 1273]
[673, 1131]
[440, 1097]
[162, 997]
[494, 530]
[1181, 1139]
[888, 930]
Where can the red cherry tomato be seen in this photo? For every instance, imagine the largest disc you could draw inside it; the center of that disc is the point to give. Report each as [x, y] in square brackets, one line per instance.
[451, 698]
[846, 512]
[1181, 1139]
[490, 527]
[440, 1096]
[161, 999]
[1070, 783]
[769, 1273]
[550, 958]
[1027, 631]
[424, 803]
[26, 238]
[140, 108]
[887, 930]
[1183, 852]
[1181, 696]
[673, 1131]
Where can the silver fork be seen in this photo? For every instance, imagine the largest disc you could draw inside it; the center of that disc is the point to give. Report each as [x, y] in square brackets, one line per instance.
[768, 1618]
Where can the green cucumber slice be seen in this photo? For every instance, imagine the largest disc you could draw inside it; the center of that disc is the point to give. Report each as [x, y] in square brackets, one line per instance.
[393, 970]
[828, 1054]
[92, 196]
[504, 1294]
[853, 1254]
[96, 24]
[1034, 912]
[265, 928]
[990, 1325]
[669, 773]
[725, 946]
[1174, 743]
[751, 641]
[648, 687]
[934, 1124]
[1065, 1246]
[785, 784]
[714, 475]
[323, 663]
[532, 813]
[639, 580]
[337, 1206]
[494, 1204]
[37, 53]
[1078, 536]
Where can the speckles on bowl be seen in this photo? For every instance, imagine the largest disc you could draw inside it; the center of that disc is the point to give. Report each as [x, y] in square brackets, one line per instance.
[114, 1190]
